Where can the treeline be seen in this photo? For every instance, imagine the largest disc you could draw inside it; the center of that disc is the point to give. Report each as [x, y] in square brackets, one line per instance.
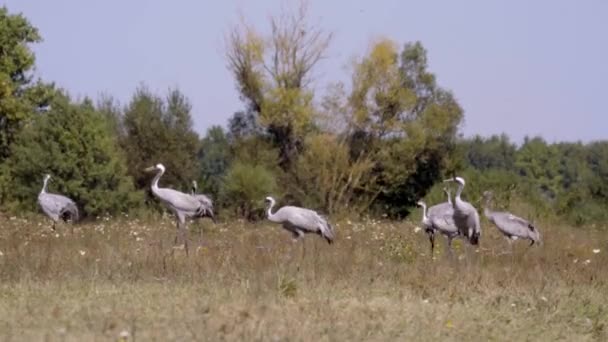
[568, 180]
[372, 146]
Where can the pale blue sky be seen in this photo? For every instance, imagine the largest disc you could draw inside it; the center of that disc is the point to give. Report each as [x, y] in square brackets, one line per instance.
[520, 67]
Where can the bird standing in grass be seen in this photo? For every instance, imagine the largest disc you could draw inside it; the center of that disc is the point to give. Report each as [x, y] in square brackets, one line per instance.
[466, 216]
[181, 204]
[441, 221]
[511, 226]
[206, 202]
[56, 206]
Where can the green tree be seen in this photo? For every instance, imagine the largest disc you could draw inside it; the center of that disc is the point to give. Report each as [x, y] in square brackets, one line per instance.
[74, 143]
[246, 187]
[20, 97]
[404, 120]
[160, 131]
[214, 160]
[273, 76]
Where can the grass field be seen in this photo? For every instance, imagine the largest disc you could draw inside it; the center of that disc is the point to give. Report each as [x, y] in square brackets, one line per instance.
[250, 282]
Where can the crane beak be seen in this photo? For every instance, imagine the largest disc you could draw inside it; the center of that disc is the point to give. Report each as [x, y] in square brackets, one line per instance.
[150, 169]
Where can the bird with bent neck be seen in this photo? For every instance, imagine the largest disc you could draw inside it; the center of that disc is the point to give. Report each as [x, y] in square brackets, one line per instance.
[299, 221]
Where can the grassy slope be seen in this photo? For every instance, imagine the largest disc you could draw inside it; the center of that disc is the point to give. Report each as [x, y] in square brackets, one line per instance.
[251, 282]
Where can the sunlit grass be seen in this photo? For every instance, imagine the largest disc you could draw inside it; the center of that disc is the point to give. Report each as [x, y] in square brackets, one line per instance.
[122, 279]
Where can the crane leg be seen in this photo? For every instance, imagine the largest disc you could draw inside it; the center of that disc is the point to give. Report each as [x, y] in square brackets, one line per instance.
[432, 241]
[449, 247]
[185, 237]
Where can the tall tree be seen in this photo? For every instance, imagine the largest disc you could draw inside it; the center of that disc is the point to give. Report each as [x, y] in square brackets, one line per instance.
[214, 158]
[158, 130]
[20, 97]
[75, 144]
[273, 75]
[401, 117]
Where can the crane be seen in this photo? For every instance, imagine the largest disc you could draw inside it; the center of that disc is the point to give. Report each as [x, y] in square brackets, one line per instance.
[465, 216]
[299, 221]
[511, 226]
[206, 202]
[181, 204]
[56, 206]
[441, 221]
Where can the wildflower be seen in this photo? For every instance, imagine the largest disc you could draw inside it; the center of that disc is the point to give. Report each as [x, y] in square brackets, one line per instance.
[513, 305]
[587, 262]
[543, 298]
[82, 252]
[1, 254]
[595, 251]
[417, 229]
[449, 324]
[124, 335]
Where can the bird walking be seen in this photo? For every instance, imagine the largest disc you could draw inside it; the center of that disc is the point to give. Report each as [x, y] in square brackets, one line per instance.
[56, 206]
[511, 226]
[181, 204]
[465, 216]
[205, 201]
[299, 221]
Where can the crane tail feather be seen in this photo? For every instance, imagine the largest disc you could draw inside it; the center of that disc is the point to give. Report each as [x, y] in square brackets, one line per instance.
[69, 211]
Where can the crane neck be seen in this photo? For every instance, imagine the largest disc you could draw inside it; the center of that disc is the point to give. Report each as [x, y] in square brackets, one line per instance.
[449, 197]
[424, 217]
[155, 180]
[269, 213]
[459, 191]
[44, 185]
[486, 207]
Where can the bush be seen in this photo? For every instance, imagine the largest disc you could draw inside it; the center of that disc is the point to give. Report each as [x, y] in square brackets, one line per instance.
[246, 186]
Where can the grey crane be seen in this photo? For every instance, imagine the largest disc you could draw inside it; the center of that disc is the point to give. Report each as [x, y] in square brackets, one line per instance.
[300, 221]
[513, 227]
[466, 216]
[206, 202]
[56, 206]
[181, 204]
[441, 221]
[441, 208]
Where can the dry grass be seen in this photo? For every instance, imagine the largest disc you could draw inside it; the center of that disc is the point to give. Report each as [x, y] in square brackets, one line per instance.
[250, 282]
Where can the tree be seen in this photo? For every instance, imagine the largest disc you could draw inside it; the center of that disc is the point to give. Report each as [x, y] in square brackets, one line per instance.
[246, 187]
[495, 152]
[273, 76]
[404, 120]
[19, 96]
[74, 143]
[160, 131]
[214, 160]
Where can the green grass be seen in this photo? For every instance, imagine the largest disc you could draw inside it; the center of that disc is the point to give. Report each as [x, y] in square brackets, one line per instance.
[250, 282]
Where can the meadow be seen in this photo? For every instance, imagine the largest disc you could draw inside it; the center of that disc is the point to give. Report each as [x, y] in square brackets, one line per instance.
[121, 279]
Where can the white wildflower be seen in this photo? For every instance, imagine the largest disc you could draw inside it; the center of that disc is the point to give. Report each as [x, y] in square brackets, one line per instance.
[417, 229]
[543, 298]
[595, 251]
[82, 252]
[587, 262]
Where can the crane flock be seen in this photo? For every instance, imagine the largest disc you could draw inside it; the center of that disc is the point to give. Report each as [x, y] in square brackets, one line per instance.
[453, 219]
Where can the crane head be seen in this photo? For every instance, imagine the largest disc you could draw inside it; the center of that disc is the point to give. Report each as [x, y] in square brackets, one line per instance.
[47, 177]
[458, 180]
[158, 166]
[420, 203]
[269, 199]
